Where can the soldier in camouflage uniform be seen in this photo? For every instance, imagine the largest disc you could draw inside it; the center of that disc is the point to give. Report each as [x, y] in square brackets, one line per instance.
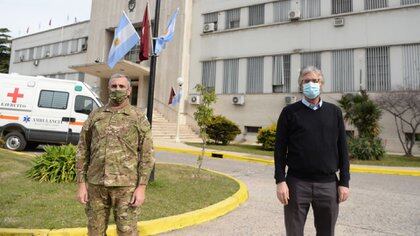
[113, 162]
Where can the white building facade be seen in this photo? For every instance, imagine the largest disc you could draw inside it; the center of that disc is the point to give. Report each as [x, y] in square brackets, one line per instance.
[250, 51]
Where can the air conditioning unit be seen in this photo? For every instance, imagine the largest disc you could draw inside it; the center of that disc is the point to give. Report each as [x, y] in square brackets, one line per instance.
[294, 15]
[195, 99]
[209, 27]
[238, 100]
[338, 21]
[36, 62]
[290, 99]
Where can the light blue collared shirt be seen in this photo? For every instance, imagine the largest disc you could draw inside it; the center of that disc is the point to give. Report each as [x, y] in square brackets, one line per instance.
[312, 106]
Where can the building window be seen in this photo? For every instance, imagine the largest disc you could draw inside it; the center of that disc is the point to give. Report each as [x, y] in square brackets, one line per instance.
[281, 10]
[252, 129]
[53, 99]
[256, 15]
[73, 47]
[46, 51]
[230, 76]
[342, 71]
[233, 18]
[408, 137]
[310, 8]
[31, 54]
[378, 69]
[18, 56]
[374, 4]
[83, 44]
[55, 51]
[209, 74]
[255, 75]
[310, 59]
[342, 6]
[281, 74]
[38, 52]
[211, 18]
[65, 47]
[411, 66]
[407, 2]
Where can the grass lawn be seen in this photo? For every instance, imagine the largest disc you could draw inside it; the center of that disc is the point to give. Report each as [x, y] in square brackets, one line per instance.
[388, 160]
[25, 203]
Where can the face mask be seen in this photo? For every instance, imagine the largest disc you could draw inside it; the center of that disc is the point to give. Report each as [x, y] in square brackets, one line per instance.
[311, 90]
[118, 96]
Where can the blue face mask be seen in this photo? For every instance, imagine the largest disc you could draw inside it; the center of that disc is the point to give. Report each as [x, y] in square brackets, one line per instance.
[311, 90]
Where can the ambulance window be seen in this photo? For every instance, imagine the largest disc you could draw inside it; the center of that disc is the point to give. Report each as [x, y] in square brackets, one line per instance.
[84, 105]
[53, 99]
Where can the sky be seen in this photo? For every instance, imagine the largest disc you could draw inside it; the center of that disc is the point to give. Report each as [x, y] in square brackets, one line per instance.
[18, 15]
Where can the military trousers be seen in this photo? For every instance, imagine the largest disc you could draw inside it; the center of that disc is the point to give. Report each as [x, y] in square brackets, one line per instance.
[100, 201]
[324, 200]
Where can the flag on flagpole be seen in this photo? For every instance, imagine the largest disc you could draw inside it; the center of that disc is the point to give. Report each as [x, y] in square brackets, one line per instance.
[27, 30]
[145, 39]
[171, 96]
[169, 35]
[49, 23]
[125, 38]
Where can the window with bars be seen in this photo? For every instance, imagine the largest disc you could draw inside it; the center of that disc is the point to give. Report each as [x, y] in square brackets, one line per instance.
[208, 79]
[411, 66]
[378, 69]
[310, 59]
[233, 18]
[342, 71]
[310, 8]
[281, 74]
[230, 76]
[281, 10]
[255, 75]
[211, 18]
[342, 6]
[407, 2]
[374, 4]
[256, 15]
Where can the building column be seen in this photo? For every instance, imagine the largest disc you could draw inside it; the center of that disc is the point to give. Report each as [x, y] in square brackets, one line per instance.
[326, 70]
[242, 75]
[143, 86]
[396, 67]
[359, 69]
[243, 22]
[268, 75]
[358, 5]
[268, 13]
[294, 72]
[219, 77]
[221, 22]
[326, 7]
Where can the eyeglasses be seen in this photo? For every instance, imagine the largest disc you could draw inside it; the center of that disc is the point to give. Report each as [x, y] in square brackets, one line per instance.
[305, 81]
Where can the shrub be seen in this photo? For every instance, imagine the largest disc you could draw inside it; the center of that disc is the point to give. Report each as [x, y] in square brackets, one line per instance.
[267, 137]
[366, 148]
[56, 164]
[222, 130]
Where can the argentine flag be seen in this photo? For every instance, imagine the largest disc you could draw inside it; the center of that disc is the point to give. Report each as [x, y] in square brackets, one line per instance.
[170, 32]
[125, 38]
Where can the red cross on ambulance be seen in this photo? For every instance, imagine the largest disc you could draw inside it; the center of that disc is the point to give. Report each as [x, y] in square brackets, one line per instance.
[15, 95]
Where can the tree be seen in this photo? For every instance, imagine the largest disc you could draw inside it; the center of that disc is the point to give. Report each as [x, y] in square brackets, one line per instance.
[4, 50]
[404, 106]
[361, 112]
[364, 114]
[203, 117]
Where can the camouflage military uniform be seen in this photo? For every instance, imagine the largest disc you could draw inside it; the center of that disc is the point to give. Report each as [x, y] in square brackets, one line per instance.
[115, 155]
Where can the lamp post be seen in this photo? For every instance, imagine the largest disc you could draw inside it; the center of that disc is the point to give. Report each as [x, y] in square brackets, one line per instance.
[180, 82]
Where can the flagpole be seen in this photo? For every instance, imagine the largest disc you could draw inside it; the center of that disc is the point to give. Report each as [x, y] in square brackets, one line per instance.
[153, 61]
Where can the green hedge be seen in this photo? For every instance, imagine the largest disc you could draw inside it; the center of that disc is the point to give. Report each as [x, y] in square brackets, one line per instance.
[366, 148]
[267, 137]
[56, 165]
[221, 130]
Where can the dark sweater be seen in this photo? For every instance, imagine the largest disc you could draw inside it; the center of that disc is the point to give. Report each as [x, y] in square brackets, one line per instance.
[312, 143]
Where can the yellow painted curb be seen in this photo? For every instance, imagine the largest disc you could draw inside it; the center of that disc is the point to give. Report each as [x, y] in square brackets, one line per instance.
[354, 169]
[156, 226]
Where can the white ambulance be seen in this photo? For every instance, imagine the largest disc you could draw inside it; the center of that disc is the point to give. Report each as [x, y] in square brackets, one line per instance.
[39, 110]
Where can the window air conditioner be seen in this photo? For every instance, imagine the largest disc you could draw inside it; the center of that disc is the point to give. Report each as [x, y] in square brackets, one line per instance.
[209, 27]
[339, 21]
[294, 15]
[290, 99]
[238, 100]
[195, 99]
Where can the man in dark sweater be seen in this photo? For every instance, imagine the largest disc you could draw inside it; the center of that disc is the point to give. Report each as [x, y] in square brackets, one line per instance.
[311, 142]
